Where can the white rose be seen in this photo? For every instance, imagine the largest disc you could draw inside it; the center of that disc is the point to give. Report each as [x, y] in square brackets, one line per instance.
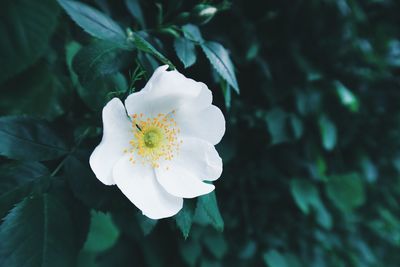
[159, 148]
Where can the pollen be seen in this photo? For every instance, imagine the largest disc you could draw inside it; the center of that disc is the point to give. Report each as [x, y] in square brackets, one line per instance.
[155, 139]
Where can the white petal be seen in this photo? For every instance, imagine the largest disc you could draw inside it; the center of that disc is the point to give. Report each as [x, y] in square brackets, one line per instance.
[200, 158]
[207, 124]
[159, 71]
[163, 83]
[197, 160]
[202, 101]
[116, 136]
[166, 91]
[138, 183]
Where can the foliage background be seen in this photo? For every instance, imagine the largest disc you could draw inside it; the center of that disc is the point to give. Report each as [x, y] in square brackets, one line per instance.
[311, 153]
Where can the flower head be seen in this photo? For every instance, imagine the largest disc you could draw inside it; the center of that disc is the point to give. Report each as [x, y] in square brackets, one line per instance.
[159, 147]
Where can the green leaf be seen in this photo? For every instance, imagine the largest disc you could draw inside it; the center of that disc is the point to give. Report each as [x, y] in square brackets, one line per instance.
[305, 194]
[346, 191]
[216, 244]
[102, 232]
[273, 258]
[97, 67]
[17, 173]
[148, 62]
[71, 49]
[192, 32]
[84, 184]
[146, 224]
[347, 98]
[190, 252]
[94, 22]
[207, 208]
[99, 59]
[277, 126]
[25, 30]
[36, 92]
[323, 217]
[26, 138]
[220, 60]
[328, 132]
[17, 181]
[297, 126]
[136, 11]
[184, 219]
[185, 50]
[39, 233]
[226, 91]
[141, 44]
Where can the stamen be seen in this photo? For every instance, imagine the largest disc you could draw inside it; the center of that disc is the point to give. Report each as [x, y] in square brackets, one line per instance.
[154, 139]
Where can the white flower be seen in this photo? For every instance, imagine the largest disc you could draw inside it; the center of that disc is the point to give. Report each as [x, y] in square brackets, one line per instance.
[161, 148]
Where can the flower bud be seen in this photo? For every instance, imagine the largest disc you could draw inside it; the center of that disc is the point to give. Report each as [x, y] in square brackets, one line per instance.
[202, 13]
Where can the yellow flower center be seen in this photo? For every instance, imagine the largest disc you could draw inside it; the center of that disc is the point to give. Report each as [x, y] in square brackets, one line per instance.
[154, 139]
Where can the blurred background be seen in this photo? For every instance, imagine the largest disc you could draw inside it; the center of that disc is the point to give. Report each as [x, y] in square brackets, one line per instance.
[311, 94]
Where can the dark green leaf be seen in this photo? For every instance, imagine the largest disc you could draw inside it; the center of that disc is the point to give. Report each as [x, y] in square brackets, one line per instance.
[347, 98]
[346, 191]
[192, 32]
[305, 194]
[36, 92]
[185, 51]
[84, 184]
[98, 59]
[136, 11]
[17, 181]
[18, 173]
[146, 224]
[39, 233]
[141, 44]
[97, 67]
[220, 60]
[277, 126]
[94, 22]
[323, 216]
[190, 251]
[216, 244]
[26, 138]
[102, 232]
[226, 91]
[297, 126]
[71, 49]
[184, 219]
[207, 209]
[273, 258]
[25, 29]
[328, 133]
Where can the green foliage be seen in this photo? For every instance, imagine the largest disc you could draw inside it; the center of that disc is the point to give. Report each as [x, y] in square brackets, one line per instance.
[39, 232]
[94, 22]
[207, 211]
[186, 51]
[25, 30]
[47, 97]
[184, 218]
[274, 259]
[97, 68]
[311, 153]
[102, 233]
[27, 138]
[346, 191]
[220, 60]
